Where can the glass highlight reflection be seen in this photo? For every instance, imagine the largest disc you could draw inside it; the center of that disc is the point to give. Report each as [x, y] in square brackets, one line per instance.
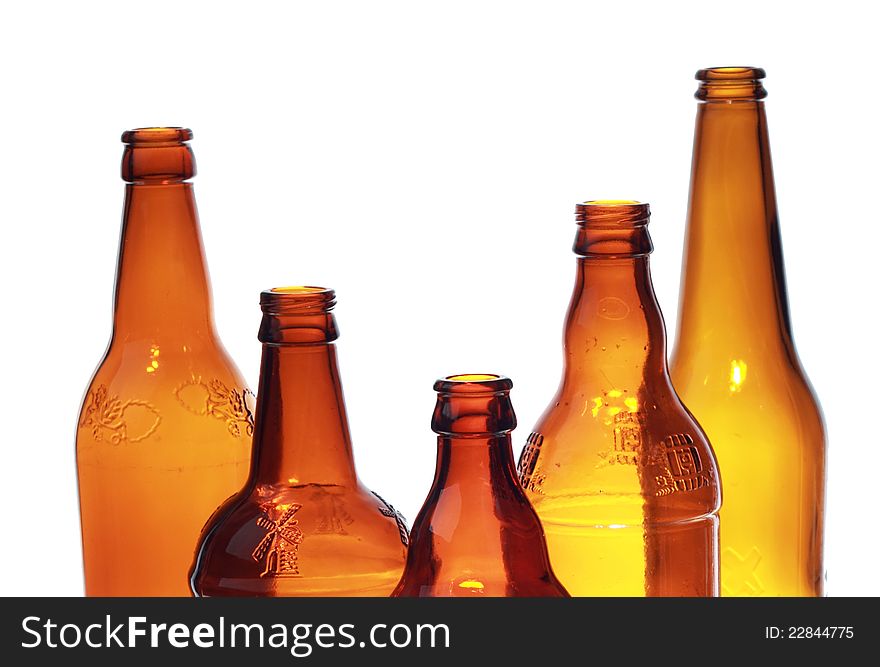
[738, 371]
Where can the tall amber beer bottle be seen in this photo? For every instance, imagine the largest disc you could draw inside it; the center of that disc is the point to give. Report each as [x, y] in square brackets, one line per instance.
[165, 430]
[620, 473]
[476, 535]
[303, 524]
[735, 364]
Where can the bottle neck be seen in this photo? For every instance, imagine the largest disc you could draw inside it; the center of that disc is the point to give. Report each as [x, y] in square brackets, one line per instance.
[162, 282]
[301, 434]
[481, 467]
[733, 252]
[473, 419]
[614, 328]
[473, 498]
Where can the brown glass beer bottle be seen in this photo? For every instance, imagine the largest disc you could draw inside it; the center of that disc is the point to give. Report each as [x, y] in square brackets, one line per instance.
[165, 430]
[734, 363]
[303, 525]
[621, 475]
[476, 535]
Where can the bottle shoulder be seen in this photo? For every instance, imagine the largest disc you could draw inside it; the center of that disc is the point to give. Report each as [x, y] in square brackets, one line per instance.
[154, 362]
[309, 539]
[344, 514]
[750, 392]
[159, 395]
[586, 415]
[451, 517]
[593, 460]
[772, 364]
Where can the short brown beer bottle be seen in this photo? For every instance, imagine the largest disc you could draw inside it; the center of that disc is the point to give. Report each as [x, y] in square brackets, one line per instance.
[165, 430]
[303, 524]
[735, 363]
[621, 475]
[476, 535]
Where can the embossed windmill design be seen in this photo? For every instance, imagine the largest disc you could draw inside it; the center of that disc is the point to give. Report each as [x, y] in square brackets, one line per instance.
[277, 550]
[389, 511]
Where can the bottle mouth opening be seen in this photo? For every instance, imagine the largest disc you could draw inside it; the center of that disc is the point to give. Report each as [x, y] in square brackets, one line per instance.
[297, 290]
[730, 74]
[612, 213]
[730, 84]
[297, 299]
[473, 405]
[473, 383]
[478, 377]
[157, 135]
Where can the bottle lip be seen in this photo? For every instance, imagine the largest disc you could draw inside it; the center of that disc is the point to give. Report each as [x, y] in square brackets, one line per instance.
[473, 384]
[612, 213]
[730, 84]
[473, 406]
[297, 300]
[157, 155]
[157, 135]
[738, 73]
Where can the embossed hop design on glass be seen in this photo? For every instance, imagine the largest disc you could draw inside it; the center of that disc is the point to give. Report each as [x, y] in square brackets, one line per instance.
[165, 430]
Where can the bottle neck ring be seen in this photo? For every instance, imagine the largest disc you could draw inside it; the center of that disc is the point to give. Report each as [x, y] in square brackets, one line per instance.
[298, 315]
[612, 229]
[473, 406]
[730, 84]
[157, 155]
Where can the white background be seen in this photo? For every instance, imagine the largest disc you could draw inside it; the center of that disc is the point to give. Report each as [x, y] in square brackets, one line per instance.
[423, 159]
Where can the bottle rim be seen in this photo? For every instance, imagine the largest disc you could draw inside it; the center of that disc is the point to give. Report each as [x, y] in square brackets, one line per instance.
[612, 213]
[730, 84]
[473, 383]
[157, 135]
[737, 73]
[297, 299]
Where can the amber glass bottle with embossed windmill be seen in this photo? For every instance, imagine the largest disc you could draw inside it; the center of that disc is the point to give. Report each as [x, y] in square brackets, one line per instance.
[303, 525]
[620, 473]
[476, 535]
[735, 363]
[165, 430]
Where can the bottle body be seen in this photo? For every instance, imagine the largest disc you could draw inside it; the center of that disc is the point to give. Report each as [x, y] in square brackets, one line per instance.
[622, 476]
[303, 525]
[476, 534]
[165, 430]
[640, 519]
[735, 363]
[302, 540]
[154, 460]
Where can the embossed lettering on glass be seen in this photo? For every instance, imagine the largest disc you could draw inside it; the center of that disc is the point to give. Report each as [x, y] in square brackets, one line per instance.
[165, 430]
[303, 524]
[623, 478]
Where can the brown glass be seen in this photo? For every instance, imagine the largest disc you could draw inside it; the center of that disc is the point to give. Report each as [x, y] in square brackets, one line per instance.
[476, 535]
[621, 475]
[165, 430]
[303, 525]
[735, 363]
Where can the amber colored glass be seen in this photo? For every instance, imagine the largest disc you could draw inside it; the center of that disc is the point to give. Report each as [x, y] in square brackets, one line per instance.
[620, 473]
[476, 535]
[165, 430]
[735, 364]
[303, 525]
